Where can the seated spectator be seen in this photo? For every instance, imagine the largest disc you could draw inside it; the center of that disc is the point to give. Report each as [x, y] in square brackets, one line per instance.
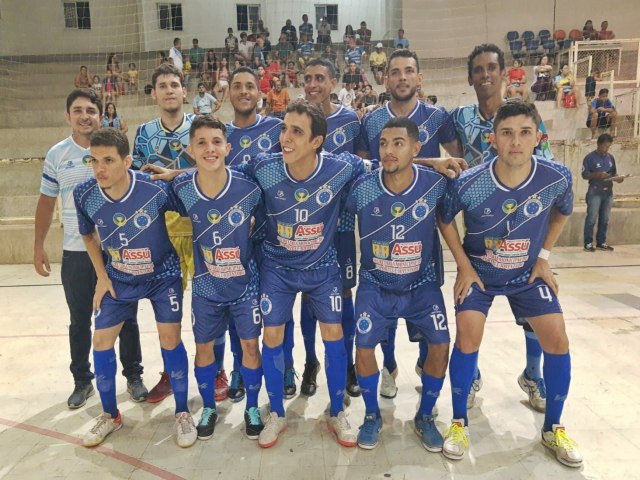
[360, 110]
[196, 57]
[261, 29]
[368, 97]
[253, 36]
[330, 55]
[602, 113]
[272, 68]
[290, 31]
[222, 81]
[605, 33]
[230, 45]
[113, 119]
[353, 53]
[283, 50]
[267, 43]
[364, 36]
[258, 50]
[352, 76]
[349, 35]
[543, 84]
[516, 79]
[109, 88]
[401, 42]
[565, 84]
[383, 98]
[588, 32]
[132, 78]
[292, 74]
[306, 28]
[97, 85]
[432, 99]
[590, 85]
[210, 70]
[347, 96]
[264, 81]
[378, 63]
[305, 50]
[256, 64]
[277, 99]
[204, 103]
[324, 33]
[82, 79]
[245, 50]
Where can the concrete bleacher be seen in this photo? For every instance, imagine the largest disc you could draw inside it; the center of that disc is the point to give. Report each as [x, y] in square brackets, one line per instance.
[32, 120]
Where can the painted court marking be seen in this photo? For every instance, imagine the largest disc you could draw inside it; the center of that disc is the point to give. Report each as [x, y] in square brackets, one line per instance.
[135, 462]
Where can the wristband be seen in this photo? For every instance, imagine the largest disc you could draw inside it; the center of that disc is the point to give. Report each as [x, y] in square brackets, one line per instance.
[544, 254]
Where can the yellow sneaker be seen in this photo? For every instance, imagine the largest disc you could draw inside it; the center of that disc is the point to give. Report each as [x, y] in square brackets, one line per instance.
[456, 440]
[566, 449]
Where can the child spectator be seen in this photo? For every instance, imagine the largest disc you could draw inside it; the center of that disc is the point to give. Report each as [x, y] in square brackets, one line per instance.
[432, 99]
[110, 88]
[292, 75]
[96, 85]
[591, 84]
[132, 78]
[347, 96]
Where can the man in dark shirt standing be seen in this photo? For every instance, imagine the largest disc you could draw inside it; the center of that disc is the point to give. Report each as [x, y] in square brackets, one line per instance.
[599, 168]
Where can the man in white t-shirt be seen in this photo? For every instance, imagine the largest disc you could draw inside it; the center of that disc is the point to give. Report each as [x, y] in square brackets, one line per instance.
[245, 50]
[347, 96]
[204, 103]
[176, 53]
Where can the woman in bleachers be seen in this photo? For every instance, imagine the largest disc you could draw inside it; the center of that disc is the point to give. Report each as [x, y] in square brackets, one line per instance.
[113, 119]
[543, 84]
[223, 80]
[565, 84]
[210, 70]
[110, 88]
[114, 66]
[516, 79]
[348, 34]
[82, 79]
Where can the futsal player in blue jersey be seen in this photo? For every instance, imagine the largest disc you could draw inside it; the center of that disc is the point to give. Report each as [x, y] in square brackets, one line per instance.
[302, 193]
[221, 204]
[435, 130]
[474, 125]
[396, 207]
[514, 210]
[121, 215]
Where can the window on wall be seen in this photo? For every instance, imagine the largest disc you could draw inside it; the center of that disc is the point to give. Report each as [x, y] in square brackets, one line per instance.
[77, 15]
[330, 12]
[247, 15]
[170, 16]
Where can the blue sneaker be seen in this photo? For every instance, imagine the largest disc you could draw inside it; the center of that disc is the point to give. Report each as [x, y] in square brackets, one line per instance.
[426, 428]
[370, 431]
[289, 383]
[236, 387]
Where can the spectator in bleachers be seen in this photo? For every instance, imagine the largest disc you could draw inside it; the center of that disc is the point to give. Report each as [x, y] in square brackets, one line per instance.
[347, 96]
[364, 36]
[330, 55]
[277, 100]
[334, 99]
[588, 32]
[245, 50]
[290, 31]
[384, 98]
[272, 68]
[253, 36]
[132, 78]
[292, 74]
[231, 45]
[97, 85]
[352, 75]
[196, 57]
[161, 58]
[283, 50]
[516, 79]
[261, 29]
[256, 64]
[305, 50]
[565, 84]
[210, 70]
[602, 113]
[590, 85]
[324, 33]
[222, 80]
[176, 53]
[353, 53]
[543, 84]
[114, 65]
[264, 82]
[378, 62]
[306, 28]
[109, 88]
[258, 50]
[204, 103]
[605, 33]
[82, 79]
[348, 36]
[113, 119]
[368, 97]
[401, 41]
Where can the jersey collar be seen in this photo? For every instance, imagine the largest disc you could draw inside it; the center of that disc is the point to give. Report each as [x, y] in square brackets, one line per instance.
[393, 115]
[504, 188]
[320, 158]
[124, 198]
[224, 190]
[406, 191]
[254, 124]
[184, 119]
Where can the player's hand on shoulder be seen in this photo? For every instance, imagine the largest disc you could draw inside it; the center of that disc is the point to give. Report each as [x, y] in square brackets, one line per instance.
[451, 167]
[103, 285]
[41, 262]
[465, 279]
[542, 270]
[160, 173]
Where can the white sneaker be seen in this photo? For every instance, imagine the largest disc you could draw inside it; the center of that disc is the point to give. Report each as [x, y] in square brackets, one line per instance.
[456, 440]
[343, 431]
[186, 432]
[388, 387]
[566, 449]
[273, 426]
[536, 390]
[103, 427]
[475, 388]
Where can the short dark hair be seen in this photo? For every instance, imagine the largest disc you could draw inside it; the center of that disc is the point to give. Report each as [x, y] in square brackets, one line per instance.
[166, 69]
[323, 62]
[513, 108]
[206, 121]
[603, 91]
[484, 48]
[318, 120]
[404, 53]
[433, 98]
[407, 124]
[248, 70]
[195, 40]
[605, 138]
[176, 41]
[111, 137]
[88, 93]
[201, 84]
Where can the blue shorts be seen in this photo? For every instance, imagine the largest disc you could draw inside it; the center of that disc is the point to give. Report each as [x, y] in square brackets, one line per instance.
[345, 243]
[377, 310]
[165, 295]
[210, 320]
[279, 288]
[529, 300]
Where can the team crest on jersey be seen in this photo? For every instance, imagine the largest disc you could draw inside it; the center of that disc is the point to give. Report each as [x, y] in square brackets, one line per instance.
[532, 206]
[265, 304]
[264, 143]
[236, 216]
[214, 216]
[380, 249]
[119, 219]
[175, 145]
[142, 220]
[324, 196]
[364, 323]
[420, 210]
[339, 137]
[207, 254]
[509, 206]
[397, 209]
[86, 160]
[114, 253]
[423, 135]
[245, 141]
[285, 230]
[301, 194]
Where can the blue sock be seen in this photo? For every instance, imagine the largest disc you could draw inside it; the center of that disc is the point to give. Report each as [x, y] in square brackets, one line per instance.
[369, 389]
[206, 378]
[104, 362]
[534, 355]
[308, 326]
[424, 349]
[431, 387]
[389, 350]
[252, 383]
[557, 377]
[273, 368]
[287, 346]
[461, 370]
[178, 370]
[236, 346]
[335, 366]
[348, 327]
[218, 351]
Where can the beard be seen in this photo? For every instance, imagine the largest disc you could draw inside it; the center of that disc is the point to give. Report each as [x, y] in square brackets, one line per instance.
[404, 98]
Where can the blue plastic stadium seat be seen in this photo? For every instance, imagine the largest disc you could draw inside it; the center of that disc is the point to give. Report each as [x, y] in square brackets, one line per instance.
[527, 36]
[544, 36]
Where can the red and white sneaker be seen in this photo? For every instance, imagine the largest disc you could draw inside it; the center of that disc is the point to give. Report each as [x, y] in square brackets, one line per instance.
[222, 386]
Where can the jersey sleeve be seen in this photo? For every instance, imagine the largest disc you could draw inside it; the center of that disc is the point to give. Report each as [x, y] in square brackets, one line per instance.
[452, 204]
[86, 226]
[564, 201]
[362, 143]
[351, 202]
[614, 169]
[586, 165]
[173, 202]
[49, 185]
[139, 158]
[448, 129]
